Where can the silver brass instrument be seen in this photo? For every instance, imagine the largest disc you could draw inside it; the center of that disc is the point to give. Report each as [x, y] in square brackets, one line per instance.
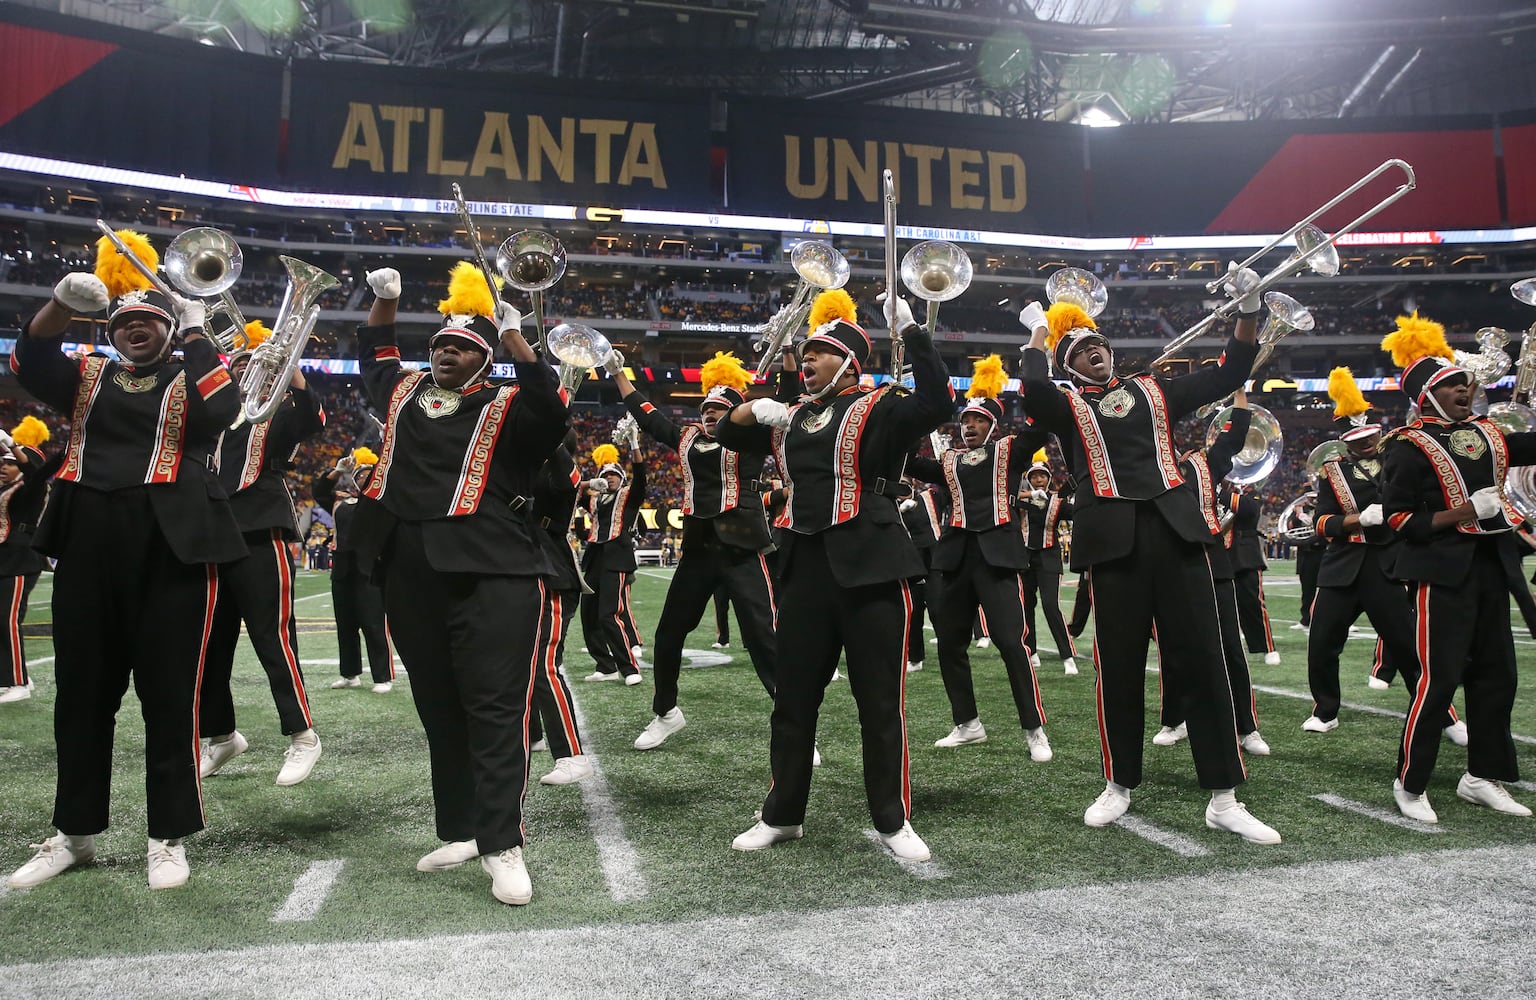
[1517, 414]
[1295, 522]
[1286, 316]
[577, 348]
[473, 233]
[150, 276]
[627, 432]
[1261, 447]
[532, 262]
[1077, 287]
[820, 267]
[1328, 451]
[898, 346]
[1311, 245]
[936, 271]
[205, 263]
[265, 382]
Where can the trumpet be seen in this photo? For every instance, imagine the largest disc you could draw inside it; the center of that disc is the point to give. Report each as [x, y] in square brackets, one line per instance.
[1286, 315]
[577, 348]
[532, 261]
[1314, 250]
[265, 382]
[820, 267]
[157, 281]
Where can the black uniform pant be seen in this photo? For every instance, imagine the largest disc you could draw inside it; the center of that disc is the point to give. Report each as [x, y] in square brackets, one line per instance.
[999, 593]
[471, 646]
[1042, 587]
[1462, 639]
[702, 573]
[14, 591]
[1245, 704]
[1523, 599]
[259, 589]
[1309, 559]
[125, 609]
[1082, 604]
[359, 606]
[556, 716]
[818, 620]
[603, 625]
[722, 603]
[1388, 607]
[570, 608]
[1165, 581]
[924, 590]
[1251, 613]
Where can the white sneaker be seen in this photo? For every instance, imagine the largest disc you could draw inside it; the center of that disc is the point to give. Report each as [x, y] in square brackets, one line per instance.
[906, 844]
[1354, 628]
[659, 728]
[913, 666]
[217, 753]
[509, 876]
[934, 641]
[568, 770]
[1376, 683]
[383, 687]
[450, 855]
[54, 855]
[1111, 804]
[964, 734]
[719, 645]
[763, 836]
[1069, 667]
[837, 674]
[1414, 806]
[167, 864]
[1298, 627]
[598, 675]
[539, 746]
[1169, 735]
[1456, 732]
[1254, 743]
[1034, 661]
[300, 757]
[346, 682]
[1271, 659]
[1039, 746]
[1482, 792]
[815, 756]
[1235, 818]
[631, 680]
[1316, 725]
[17, 692]
[985, 642]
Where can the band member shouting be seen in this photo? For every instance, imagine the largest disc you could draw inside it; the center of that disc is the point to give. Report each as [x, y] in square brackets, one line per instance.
[1044, 510]
[725, 536]
[355, 597]
[980, 558]
[259, 588]
[24, 476]
[446, 516]
[1442, 492]
[1133, 524]
[846, 558]
[137, 523]
[608, 563]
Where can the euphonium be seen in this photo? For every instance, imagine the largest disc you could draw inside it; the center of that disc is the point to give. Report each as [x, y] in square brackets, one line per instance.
[1286, 315]
[577, 348]
[1261, 447]
[820, 267]
[266, 378]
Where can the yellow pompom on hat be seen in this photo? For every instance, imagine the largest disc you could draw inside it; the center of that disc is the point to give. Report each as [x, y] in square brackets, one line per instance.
[1039, 462]
[725, 380]
[834, 323]
[1419, 348]
[253, 336]
[1069, 326]
[987, 381]
[1350, 410]
[130, 290]
[607, 458]
[30, 434]
[364, 456]
[469, 311]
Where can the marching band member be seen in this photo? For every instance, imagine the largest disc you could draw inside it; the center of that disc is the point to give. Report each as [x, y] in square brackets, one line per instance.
[357, 600]
[24, 476]
[1309, 547]
[981, 556]
[1245, 549]
[1133, 524]
[1442, 482]
[1044, 511]
[608, 563]
[922, 513]
[259, 588]
[445, 516]
[846, 559]
[137, 523]
[725, 536]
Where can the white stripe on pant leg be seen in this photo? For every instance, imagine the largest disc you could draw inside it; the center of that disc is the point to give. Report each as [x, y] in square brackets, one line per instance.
[310, 891]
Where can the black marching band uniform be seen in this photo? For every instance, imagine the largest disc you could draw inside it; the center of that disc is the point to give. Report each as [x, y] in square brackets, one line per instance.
[608, 563]
[1245, 549]
[923, 513]
[356, 597]
[21, 504]
[1045, 510]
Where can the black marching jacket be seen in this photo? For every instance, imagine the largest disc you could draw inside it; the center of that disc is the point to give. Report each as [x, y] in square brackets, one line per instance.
[980, 485]
[21, 504]
[611, 537]
[1348, 486]
[252, 461]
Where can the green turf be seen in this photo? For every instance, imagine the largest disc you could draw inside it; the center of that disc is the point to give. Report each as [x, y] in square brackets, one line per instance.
[995, 820]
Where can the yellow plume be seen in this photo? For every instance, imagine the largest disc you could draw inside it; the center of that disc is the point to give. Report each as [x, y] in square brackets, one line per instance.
[116, 272]
[834, 303]
[724, 369]
[31, 432]
[1416, 338]
[1062, 317]
[605, 454]
[1040, 458]
[364, 456]
[467, 294]
[256, 333]
[1346, 395]
[987, 378]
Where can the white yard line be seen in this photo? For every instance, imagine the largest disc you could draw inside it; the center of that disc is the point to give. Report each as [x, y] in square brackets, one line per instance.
[1358, 707]
[39, 661]
[616, 856]
[310, 891]
[1371, 812]
[311, 597]
[1182, 846]
[925, 870]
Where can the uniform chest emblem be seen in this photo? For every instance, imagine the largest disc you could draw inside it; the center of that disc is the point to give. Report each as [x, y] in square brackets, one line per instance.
[1468, 443]
[1117, 404]
[816, 421]
[707, 446]
[128, 382]
[975, 456]
[437, 402]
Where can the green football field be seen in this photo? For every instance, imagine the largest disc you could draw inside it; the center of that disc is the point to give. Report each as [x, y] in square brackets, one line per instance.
[647, 841]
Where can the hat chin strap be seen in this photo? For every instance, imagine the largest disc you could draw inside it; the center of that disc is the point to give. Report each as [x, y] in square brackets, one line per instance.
[1430, 396]
[479, 372]
[1082, 379]
[842, 370]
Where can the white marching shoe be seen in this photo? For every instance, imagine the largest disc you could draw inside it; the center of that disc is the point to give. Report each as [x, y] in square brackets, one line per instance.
[1169, 735]
[763, 835]
[906, 844]
[1255, 744]
[16, 692]
[1034, 661]
[659, 728]
[964, 734]
[1482, 792]
[1111, 804]
[630, 680]
[509, 876]
[1039, 746]
[1272, 658]
[1316, 725]
[218, 752]
[985, 642]
[1456, 732]
[1376, 683]
[300, 757]
[57, 854]
[355, 680]
[598, 675]
[1224, 812]
[913, 666]
[1414, 806]
[383, 687]
[450, 855]
[539, 745]
[568, 771]
[167, 864]
[1069, 666]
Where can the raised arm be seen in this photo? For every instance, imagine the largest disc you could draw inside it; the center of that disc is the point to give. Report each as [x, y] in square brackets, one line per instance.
[1228, 443]
[650, 420]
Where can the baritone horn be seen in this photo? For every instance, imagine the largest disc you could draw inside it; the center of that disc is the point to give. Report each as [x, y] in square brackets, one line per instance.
[1517, 414]
[936, 271]
[532, 261]
[205, 263]
[1261, 447]
[820, 267]
[577, 348]
[1286, 316]
[1314, 250]
[265, 382]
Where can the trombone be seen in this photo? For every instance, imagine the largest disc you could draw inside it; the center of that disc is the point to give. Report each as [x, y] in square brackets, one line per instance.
[159, 282]
[934, 271]
[205, 263]
[820, 267]
[898, 345]
[532, 261]
[1286, 315]
[1314, 250]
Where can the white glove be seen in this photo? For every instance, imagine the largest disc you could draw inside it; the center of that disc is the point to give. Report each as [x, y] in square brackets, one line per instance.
[1240, 283]
[385, 283]
[81, 293]
[1371, 516]
[6, 441]
[898, 315]
[507, 316]
[598, 485]
[1033, 317]
[1487, 502]
[614, 362]
[906, 505]
[191, 314]
[770, 412]
[1039, 497]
